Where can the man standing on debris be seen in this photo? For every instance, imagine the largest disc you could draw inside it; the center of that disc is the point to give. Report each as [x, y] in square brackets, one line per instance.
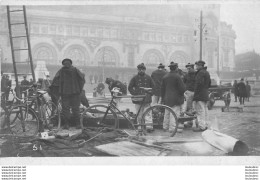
[173, 96]
[157, 76]
[70, 82]
[201, 96]
[134, 87]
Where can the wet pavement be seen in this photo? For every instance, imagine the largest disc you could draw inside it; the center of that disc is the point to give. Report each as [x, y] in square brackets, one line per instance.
[244, 126]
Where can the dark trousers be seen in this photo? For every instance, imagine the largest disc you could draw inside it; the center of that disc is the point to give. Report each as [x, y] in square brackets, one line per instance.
[70, 102]
[242, 100]
[235, 97]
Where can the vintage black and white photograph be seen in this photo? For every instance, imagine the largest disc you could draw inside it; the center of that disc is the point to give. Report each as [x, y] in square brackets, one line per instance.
[130, 80]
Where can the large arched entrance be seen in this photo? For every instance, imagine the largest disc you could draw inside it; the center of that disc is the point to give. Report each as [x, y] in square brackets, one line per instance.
[152, 58]
[107, 56]
[78, 54]
[180, 57]
[45, 52]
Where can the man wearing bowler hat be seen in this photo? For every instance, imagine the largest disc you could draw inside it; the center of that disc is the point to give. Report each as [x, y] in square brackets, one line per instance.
[134, 87]
[157, 76]
[69, 81]
[173, 96]
[201, 96]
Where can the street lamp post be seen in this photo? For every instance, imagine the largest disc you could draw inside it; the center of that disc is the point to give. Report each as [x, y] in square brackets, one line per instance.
[103, 68]
[201, 30]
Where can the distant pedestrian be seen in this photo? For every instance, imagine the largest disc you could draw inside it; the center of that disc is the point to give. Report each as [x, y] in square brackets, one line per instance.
[157, 77]
[235, 90]
[248, 91]
[70, 82]
[172, 94]
[25, 84]
[134, 87]
[100, 89]
[8, 86]
[242, 91]
[201, 95]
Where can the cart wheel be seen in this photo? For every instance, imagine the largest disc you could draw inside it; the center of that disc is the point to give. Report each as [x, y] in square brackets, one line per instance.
[154, 116]
[99, 115]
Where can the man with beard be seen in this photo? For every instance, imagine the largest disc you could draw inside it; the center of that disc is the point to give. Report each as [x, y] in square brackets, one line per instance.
[201, 96]
[138, 81]
[157, 76]
[70, 82]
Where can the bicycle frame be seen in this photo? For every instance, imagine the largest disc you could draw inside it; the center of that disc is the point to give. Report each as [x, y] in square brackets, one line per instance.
[112, 106]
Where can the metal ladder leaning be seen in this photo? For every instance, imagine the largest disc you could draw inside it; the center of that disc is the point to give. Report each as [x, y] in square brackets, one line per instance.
[13, 37]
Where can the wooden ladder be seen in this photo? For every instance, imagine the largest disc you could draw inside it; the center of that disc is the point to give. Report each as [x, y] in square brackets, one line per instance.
[25, 35]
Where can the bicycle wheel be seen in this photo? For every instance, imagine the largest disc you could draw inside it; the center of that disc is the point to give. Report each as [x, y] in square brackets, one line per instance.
[99, 115]
[51, 114]
[3, 117]
[26, 121]
[154, 117]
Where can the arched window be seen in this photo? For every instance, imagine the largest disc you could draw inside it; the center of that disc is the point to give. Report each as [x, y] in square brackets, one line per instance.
[45, 52]
[77, 54]
[107, 56]
[180, 57]
[152, 58]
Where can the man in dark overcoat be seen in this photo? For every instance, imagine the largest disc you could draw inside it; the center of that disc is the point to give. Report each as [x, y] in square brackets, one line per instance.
[172, 94]
[157, 76]
[69, 82]
[134, 87]
[201, 95]
[242, 91]
[235, 89]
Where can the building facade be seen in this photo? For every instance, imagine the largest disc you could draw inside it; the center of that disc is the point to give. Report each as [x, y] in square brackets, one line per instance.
[110, 41]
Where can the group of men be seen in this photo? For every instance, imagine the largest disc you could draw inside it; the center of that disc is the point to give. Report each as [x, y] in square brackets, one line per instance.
[172, 88]
[242, 91]
[169, 88]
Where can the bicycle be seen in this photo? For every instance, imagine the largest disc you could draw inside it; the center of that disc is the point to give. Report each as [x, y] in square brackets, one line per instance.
[33, 115]
[107, 115]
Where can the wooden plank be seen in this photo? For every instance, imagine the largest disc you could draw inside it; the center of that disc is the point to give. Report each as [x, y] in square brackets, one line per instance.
[126, 148]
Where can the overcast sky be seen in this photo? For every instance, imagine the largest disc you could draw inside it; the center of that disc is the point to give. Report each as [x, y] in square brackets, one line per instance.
[245, 19]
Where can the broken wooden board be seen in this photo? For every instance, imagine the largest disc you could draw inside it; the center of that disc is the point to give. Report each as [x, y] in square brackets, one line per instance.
[126, 148]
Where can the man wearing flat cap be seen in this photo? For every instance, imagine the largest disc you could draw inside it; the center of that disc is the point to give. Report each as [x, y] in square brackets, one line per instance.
[157, 76]
[201, 96]
[69, 82]
[134, 87]
[172, 95]
[189, 81]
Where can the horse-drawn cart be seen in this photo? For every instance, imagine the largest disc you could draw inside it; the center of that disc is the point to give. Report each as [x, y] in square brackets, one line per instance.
[221, 92]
